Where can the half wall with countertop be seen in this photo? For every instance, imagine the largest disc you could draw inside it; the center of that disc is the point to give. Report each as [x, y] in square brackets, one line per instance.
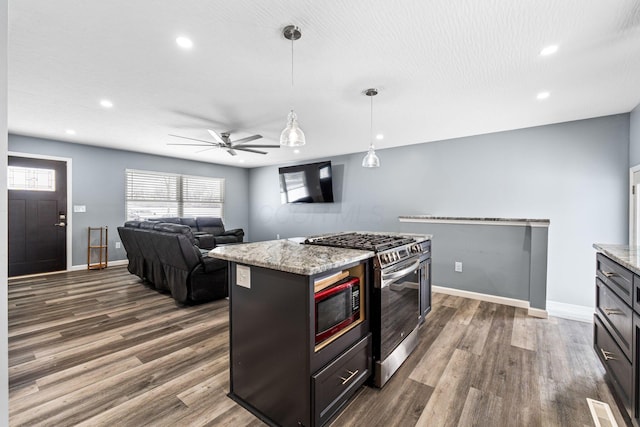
[502, 257]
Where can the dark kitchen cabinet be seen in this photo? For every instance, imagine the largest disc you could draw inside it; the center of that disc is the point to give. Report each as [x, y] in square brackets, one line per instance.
[277, 371]
[616, 330]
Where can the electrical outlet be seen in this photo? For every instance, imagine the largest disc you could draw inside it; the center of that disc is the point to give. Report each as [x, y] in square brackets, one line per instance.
[278, 236]
[458, 267]
[117, 245]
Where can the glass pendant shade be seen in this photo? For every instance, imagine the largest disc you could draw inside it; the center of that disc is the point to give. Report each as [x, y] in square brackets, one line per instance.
[292, 135]
[371, 160]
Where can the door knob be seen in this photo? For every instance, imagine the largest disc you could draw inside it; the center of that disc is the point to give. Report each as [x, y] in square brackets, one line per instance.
[60, 224]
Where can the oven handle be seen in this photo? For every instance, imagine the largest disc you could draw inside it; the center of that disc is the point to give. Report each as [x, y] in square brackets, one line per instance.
[390, 277]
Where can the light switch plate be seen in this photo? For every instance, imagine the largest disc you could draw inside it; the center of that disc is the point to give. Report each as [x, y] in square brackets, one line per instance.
[243, 276]
[79, 208]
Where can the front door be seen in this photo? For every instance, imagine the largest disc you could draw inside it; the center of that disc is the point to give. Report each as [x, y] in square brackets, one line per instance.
[37, 215]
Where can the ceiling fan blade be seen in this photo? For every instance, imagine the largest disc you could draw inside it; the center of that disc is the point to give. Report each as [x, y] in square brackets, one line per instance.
[206, 149]
[232, 151]
[194, 139]
[215, 136]
[250, 150]
[255, 146]
[247, 139]
[210, 144]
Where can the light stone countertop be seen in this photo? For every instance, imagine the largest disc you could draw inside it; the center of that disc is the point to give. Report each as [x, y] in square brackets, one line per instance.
[628, 256]
[293, 257]
[533, 222]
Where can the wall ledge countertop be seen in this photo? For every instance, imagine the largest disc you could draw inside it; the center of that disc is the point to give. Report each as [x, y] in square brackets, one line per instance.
[294, 257]
[628, 256]
[521, 222]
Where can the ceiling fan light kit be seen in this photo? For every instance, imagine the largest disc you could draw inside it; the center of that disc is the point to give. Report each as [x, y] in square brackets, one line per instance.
[371, 160]
[292, 135]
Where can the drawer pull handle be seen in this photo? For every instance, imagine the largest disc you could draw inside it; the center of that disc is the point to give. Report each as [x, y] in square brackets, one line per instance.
[351, 375]
[607, 355]
[612, 311]
[609, 274]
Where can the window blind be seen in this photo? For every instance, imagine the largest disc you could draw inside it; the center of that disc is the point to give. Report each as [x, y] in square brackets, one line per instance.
[156, 194]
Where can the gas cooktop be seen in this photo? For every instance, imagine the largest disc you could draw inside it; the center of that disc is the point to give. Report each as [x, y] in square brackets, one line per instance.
[365, 241]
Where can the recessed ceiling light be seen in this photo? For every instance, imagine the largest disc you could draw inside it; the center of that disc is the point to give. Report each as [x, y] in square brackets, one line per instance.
[70, 132]
[543, 95]
[296, 151]
[379, 136]
[240, 160]
[184, 42]
[549, 50]
[106, 103]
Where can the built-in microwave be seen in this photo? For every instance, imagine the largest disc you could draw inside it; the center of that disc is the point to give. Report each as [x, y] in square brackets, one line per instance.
[337, 307]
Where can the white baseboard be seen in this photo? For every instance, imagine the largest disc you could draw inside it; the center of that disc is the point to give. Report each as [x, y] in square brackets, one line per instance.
[580, 313]
[538, 312]
[557, 309]
[534, 312]
[114, 263]
[482, 297]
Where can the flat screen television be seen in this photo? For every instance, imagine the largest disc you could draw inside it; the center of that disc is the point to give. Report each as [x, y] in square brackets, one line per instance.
[310, 183]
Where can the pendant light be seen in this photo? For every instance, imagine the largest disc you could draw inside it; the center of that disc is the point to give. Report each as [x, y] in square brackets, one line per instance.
[371, 160]
[292, 135]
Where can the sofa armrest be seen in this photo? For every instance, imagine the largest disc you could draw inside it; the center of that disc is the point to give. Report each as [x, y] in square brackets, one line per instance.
[205, 241]
[239, 232]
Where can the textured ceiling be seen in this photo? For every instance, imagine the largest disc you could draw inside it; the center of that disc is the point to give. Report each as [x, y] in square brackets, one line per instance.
[444, 69]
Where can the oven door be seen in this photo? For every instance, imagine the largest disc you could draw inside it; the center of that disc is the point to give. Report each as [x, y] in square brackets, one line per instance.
[399, 288]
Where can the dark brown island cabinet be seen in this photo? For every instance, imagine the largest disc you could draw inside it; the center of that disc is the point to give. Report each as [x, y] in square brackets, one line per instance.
[277, 370]
[616, 333]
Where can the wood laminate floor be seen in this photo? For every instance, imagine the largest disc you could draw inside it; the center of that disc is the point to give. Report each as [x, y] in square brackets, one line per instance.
[98, 348]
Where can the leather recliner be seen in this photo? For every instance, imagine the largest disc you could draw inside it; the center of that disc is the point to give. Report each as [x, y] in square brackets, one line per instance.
[208, 231]
[171, 261]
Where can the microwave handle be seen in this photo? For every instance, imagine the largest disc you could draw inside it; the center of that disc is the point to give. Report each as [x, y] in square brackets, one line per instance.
[388, 278]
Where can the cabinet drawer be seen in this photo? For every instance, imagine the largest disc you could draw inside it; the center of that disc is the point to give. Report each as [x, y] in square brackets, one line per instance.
[616, 277]
[617, 315]
[614, 361]
[333, 385]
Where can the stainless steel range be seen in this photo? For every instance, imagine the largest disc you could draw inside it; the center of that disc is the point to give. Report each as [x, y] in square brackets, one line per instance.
[401, 293]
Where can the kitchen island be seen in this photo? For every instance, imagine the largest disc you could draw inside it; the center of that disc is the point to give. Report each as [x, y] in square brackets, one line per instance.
[277, 371]
[282, 370]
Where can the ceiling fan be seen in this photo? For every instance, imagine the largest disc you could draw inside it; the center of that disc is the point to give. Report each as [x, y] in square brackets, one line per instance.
[223, 140]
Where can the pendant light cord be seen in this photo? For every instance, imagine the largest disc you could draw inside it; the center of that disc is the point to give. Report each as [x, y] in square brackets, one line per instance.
[371, 126]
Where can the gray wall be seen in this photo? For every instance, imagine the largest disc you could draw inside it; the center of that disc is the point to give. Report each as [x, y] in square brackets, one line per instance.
[634, 137]
[4, 332]
[99, 184]
[574, 174]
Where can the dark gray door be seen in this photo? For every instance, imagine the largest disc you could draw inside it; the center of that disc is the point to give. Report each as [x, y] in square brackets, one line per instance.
[37, 215]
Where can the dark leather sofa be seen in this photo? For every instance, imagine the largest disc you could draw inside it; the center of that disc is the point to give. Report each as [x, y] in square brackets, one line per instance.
[208, 231]
[167, 256]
